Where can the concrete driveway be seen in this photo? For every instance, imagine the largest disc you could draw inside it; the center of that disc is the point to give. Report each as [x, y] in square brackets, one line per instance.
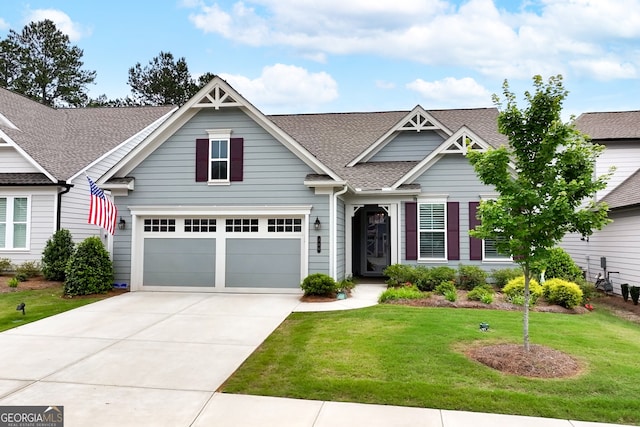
[156, 359]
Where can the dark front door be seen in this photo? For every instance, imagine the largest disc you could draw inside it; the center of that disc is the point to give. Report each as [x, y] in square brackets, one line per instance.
[374, 241]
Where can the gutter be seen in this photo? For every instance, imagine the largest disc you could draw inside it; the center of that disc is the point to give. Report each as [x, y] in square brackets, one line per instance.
[66, 189]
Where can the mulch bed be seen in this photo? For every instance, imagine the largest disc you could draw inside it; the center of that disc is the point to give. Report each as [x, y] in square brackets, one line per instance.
[41, 283]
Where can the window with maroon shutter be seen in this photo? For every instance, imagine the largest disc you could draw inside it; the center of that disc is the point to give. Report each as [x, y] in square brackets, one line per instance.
[453, 231]
[475, 245]
[219, 159]
[411, 230]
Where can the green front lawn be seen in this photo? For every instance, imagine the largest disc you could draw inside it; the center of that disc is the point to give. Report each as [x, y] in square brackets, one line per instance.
[397, 355]
[39, 303]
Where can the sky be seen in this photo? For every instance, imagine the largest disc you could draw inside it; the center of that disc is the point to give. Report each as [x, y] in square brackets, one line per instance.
[309, 56]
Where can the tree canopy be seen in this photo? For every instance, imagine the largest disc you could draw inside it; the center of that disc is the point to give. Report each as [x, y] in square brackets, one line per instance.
[545, 180]
[41, 63]
[164, 81]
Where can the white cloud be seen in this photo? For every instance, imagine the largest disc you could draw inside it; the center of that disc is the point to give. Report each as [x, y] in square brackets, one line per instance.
[63, 22]
[546, 37]
[4, 25]
[381, 84]
[605, 69]
[286, 88]
[465, 92]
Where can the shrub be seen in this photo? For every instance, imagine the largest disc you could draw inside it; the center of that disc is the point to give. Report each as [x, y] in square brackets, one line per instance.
[346, 284]
[29, 269]
[21, 277]
[487, 298]
[479, 291]
[56, 254]
[588, 289]
[432, 277]
[451, 295]
[560, 265]
[89, 270]
[470, 276]
[318, 284]
[562, 292]
[514, 290]
[445, 287]
[398, 274]
[13, 282]
[5, 265]
[502, 276]
[400, 293]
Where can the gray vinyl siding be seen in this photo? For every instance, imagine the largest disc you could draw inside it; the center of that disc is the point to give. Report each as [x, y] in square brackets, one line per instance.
[272, 176]
[409, 146]
[453, 178]
[42, 222]
[619, 242]
[11, 161]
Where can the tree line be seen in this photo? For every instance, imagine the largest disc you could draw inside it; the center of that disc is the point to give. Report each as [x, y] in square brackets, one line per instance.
[41, 63]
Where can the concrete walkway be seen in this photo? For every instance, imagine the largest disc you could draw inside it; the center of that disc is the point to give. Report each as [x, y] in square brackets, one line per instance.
[156, 359]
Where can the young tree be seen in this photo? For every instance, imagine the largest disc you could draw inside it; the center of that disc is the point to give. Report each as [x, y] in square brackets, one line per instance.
[545, 179]
[49, 69]
[163, 81]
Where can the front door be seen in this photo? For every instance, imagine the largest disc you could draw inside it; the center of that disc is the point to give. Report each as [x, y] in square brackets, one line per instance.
[374, 241]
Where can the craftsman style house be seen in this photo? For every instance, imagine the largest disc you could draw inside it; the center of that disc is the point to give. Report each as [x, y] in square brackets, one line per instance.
[222, 197]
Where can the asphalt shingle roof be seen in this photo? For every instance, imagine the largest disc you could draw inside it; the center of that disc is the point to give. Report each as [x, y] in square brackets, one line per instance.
[64, 141]
[625, 194]
[337, 138]
[610, 125]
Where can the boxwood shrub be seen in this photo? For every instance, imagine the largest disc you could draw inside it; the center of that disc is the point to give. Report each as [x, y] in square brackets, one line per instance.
[514, 290]
[562, 292]
[318, 284]
[89, 270]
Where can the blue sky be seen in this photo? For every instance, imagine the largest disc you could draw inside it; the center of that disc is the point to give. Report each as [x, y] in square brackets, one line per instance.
[298, 56]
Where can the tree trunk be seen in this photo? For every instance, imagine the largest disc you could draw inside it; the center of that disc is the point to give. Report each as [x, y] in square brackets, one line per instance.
[525, 317]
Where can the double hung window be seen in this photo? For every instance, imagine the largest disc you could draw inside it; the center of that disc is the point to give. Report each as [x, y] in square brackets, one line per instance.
[14, 217]
[432, 230]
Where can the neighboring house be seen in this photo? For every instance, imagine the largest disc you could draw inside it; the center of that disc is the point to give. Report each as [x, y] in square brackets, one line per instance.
[44, 156]
[222, 197]
[618, 242]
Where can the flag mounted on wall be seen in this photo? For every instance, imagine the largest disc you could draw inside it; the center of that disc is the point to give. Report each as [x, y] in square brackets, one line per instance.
[102, 211]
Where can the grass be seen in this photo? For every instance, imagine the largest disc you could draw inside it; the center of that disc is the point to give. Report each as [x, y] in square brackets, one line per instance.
[39, 303]
[408, 356]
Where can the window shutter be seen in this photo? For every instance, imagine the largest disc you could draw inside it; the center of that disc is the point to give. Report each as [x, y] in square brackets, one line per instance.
[202, 160]
[453, 231]
[237, 159]
[411, 230]
[475, 245]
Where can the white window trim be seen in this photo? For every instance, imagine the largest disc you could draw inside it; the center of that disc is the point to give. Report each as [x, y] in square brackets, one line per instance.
[9, 223]
[446, 243]
[219, 135]
[497, 259]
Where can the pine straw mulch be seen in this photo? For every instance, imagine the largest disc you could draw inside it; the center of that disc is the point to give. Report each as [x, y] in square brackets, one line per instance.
[40, 282]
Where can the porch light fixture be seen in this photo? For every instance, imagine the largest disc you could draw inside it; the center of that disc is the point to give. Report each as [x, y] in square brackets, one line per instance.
[122, 224]
[316, 224]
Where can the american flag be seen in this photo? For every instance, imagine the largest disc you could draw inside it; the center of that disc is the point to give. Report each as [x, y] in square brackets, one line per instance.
[102, 211]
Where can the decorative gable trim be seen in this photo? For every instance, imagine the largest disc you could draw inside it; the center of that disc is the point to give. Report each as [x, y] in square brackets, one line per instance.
[216, 94]
[459, 143]
[417, 120]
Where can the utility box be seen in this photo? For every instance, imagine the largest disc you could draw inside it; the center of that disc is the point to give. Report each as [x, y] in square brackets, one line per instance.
[603, 262]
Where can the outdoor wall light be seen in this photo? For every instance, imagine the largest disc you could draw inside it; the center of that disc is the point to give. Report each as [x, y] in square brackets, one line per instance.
[122, 224]
[317, 224]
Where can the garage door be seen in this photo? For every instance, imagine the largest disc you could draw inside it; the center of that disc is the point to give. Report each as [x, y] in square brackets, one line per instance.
[223, 252]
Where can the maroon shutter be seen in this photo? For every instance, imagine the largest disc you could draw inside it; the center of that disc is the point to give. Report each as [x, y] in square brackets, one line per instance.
[202, 160]
[411, 230]
[475, 245]
[453, 231]
[237, 159]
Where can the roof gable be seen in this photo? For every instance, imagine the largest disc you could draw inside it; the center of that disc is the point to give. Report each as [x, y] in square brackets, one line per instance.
[216, 94]
[625, 194]
[610, 125]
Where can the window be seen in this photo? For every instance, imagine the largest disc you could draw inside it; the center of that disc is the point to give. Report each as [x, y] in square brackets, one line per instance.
[14, 230]
[219, 159]
[284, 225]
[160, 225]
[432, 229]
[242, 225]
[490, 252]
[197, 225]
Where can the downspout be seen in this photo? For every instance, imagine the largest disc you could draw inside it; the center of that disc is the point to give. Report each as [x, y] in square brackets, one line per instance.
[67, 188]
[334, 232]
